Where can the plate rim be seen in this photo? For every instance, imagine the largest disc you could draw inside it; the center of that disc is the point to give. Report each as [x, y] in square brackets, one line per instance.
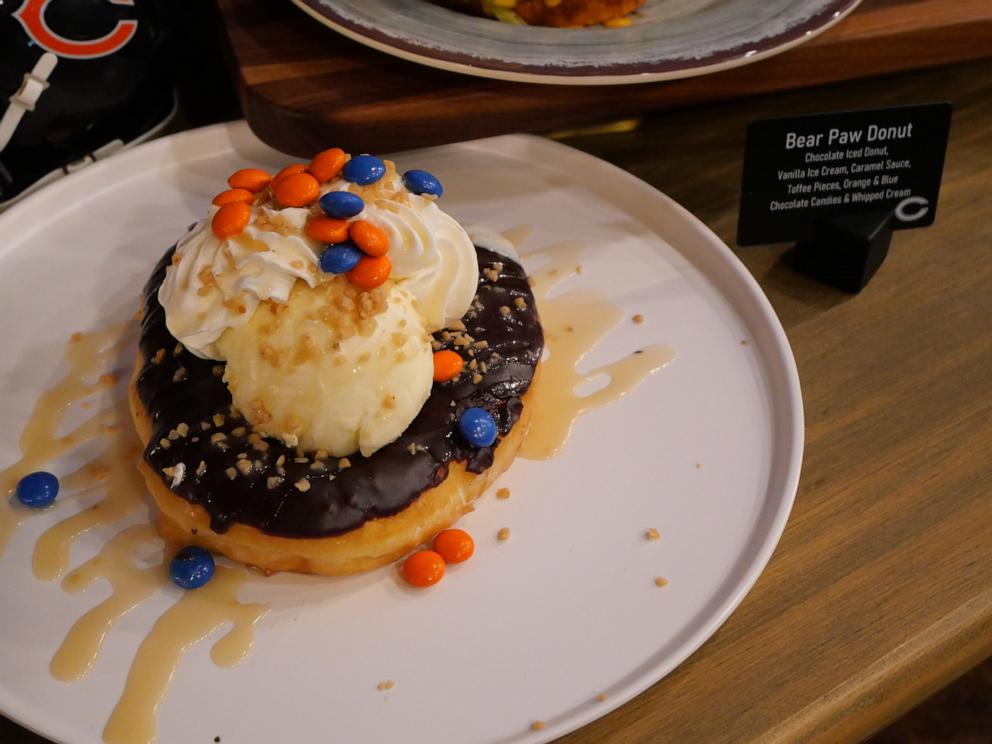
[624, 73]
[758, 552]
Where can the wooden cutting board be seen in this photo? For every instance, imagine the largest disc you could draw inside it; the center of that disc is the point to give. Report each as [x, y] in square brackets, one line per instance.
[303, 86]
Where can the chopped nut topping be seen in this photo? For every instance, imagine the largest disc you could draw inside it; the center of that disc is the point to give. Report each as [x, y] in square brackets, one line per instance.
[456, 325]
[537, 725]
[204, 425]
[159, 356]
[179, 349]
[503, 493]
[281, 461]
[217, 370]
[476, 378]
[321, 454]
[173, 435]
[660, 582]
[231, 473]
[201, 469]
[301, 460]
[652, 534]
[520, 303]
[504, 310]
[343, 463]
[473, 365]
[412, 448]
[387, 685]
[243, 466]
[273, 481]
[638, 319]
[164, 443]
[217, 437]
[481, 344]
[182, 429]
[239, 431]
[503, 534]
[260, 446]
[218, 419]
[491, 274]
[317, 465]
[180, 375]
[601, 697]
[302, 485]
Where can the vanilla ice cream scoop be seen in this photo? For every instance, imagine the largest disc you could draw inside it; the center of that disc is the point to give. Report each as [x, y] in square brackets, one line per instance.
[333, 368]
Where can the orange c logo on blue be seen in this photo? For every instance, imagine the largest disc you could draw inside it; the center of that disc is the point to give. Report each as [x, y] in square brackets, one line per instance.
[32, 17]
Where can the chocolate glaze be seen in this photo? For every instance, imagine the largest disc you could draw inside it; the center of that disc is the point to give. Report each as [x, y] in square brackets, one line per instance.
[184, 389]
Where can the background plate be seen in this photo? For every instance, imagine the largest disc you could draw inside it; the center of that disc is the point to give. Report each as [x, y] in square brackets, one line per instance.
[669, 38]
[533, 628]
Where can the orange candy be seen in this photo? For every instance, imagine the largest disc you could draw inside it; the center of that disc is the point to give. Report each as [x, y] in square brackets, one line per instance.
[423, 568]
[233, 195]
[251, 179]
[231, 220]
[371, 239]
[447, 365]
[454, 546]
[289, 170]
[370, 272]
[296, 190]
[327, 230]
[327, 164]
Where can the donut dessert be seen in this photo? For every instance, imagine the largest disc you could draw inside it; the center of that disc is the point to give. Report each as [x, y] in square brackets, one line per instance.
[330, 372]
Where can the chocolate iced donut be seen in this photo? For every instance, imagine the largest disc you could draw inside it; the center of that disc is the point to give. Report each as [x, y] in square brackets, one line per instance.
[261, 502]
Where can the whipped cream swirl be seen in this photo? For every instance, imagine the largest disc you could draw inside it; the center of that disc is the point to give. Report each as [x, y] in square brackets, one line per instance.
[216, 284]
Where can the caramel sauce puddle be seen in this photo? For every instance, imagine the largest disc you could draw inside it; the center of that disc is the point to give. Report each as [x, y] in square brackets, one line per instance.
[574, 322]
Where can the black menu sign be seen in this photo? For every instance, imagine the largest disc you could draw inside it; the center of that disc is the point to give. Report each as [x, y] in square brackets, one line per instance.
[801, 170]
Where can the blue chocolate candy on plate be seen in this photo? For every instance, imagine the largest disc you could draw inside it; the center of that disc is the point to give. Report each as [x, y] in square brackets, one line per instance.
[192, 567]
[37, 490]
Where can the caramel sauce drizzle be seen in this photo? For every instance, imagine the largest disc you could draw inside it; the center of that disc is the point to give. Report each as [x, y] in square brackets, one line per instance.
[86, 355]
[574, 322]
[190, 620]
[194, 616]
[131, 586]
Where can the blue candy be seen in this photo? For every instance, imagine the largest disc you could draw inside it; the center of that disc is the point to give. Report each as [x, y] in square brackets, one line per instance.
[363, 170]
[422, 182]
[341, 205]
[192, 567]
[478, 427]
[37, 490]
[339, 258]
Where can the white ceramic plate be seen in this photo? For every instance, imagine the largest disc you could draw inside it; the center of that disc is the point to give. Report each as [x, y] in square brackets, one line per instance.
[533, 628]
[668, 39]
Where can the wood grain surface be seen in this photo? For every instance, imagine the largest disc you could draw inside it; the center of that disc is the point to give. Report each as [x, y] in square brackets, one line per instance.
[880, 591]
[304, 87]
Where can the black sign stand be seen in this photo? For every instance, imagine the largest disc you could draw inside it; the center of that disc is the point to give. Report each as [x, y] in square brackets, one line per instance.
[846, 251]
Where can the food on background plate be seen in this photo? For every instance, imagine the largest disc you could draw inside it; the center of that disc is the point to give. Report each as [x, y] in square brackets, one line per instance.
[330, 371]
[559, 13]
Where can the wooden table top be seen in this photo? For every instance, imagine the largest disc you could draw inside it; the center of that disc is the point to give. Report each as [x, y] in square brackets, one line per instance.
[880, 591]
